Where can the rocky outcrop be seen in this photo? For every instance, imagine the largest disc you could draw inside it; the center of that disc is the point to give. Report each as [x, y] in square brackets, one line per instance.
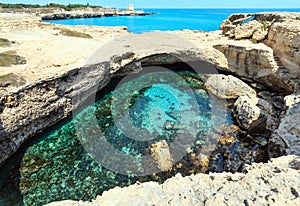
[228, 87]
[280, 31]
[286, 139]
[104, 13]
[252, 30]
[256, 62]
[284, 39]
[273, 183]
[33, 108]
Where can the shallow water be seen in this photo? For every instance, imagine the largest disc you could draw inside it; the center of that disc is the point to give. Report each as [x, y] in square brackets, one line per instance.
[70, 162]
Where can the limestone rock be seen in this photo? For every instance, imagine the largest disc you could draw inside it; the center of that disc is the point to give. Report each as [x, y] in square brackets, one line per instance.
[256, 62]
[228, 87]
[256, 115]
[161, 155]
[245, 111]
[288, 132]
[267, 110]
[227, 28]
[262, 184]
[247, 30]
[260, 34]
[284, 38]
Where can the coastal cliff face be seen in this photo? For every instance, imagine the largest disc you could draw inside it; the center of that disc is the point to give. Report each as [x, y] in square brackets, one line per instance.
[63, 71]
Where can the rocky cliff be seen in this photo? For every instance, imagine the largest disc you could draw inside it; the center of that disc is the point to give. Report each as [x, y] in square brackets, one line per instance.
[263, 80]
[23, 111]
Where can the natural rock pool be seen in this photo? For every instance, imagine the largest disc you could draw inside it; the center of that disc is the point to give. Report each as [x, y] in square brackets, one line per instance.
[73, 161]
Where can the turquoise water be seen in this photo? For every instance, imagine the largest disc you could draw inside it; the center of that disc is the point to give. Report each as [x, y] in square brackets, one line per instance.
[168, 19]
[66, 162]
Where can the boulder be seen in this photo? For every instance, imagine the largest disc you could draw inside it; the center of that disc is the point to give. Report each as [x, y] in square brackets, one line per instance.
[245, 111]
[260, 34]
[256, 115]
[160, 157]
[228, 87]
[247, 30]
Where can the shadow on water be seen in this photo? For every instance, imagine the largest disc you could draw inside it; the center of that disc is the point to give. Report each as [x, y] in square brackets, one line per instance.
[10, 194]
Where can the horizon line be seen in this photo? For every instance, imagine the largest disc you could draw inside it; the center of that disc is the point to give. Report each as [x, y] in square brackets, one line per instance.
[212, 8]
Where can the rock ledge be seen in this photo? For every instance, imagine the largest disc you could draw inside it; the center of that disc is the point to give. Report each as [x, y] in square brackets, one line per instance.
[274, 183]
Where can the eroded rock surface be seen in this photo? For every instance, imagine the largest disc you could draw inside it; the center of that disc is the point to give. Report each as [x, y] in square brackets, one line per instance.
[228, 87]
[274, 183]
[286, 139]
[39, 104]
[161, 155]
[284, 39]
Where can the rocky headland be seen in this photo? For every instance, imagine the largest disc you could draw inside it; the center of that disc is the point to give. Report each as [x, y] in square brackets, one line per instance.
[52, 13]
[47, 71]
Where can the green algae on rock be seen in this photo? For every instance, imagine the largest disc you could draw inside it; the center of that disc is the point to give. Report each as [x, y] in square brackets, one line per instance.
[9, 58]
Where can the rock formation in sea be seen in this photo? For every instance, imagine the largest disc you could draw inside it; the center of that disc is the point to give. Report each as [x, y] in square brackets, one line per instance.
[257, 56]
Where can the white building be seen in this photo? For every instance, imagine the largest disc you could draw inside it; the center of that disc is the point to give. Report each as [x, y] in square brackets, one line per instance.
[130, 7]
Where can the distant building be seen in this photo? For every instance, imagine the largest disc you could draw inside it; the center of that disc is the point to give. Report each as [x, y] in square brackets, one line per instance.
[130, 7]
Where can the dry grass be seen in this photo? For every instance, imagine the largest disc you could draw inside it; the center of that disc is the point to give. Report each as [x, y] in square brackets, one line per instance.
[68, 32]
[11, 58]
[11, 80]
[4, 42]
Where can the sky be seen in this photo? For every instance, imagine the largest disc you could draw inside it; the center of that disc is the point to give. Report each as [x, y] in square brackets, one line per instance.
[174, 3]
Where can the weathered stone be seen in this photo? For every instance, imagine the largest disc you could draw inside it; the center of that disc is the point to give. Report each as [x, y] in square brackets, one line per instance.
[268, 111]
[227, 28]
[284, 39]
[161, 155]
[228, 87]
[287, 136]
[247, 30]
[246, 111]
[214, 188]
[260, 34]
[255, 62]
[237, 17]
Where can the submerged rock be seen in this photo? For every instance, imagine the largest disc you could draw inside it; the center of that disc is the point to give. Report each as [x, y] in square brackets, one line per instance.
[161, 155]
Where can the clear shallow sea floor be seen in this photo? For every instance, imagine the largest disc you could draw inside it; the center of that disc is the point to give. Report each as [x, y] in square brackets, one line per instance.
[145, 110]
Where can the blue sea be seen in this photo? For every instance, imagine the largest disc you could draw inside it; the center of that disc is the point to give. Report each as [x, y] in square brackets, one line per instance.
[168, 19]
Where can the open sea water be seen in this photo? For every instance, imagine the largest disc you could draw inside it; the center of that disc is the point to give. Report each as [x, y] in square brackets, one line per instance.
[169, 19]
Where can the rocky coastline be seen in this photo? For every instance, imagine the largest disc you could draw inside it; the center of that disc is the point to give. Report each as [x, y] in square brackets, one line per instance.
[261, 57]
[80, 14]
[87, 12]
